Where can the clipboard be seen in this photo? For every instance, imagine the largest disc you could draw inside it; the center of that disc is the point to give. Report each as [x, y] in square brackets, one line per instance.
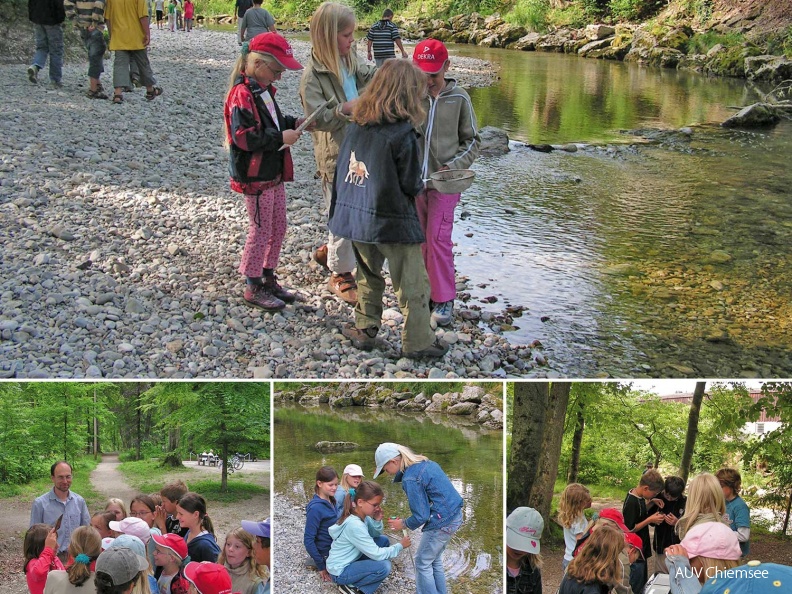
[314, 114]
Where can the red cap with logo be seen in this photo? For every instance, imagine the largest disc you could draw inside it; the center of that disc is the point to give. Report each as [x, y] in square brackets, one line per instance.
[430, 55]
[208, 578]
[276, 46]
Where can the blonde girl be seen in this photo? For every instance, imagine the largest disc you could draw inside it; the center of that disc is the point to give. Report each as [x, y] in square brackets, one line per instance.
[575, 499]
[707, 549]
[115, 505]
[597, 564]
[84, 547]
[247, 576]
[350, 479]
[333, 73]
[200, 538]
[705, 503]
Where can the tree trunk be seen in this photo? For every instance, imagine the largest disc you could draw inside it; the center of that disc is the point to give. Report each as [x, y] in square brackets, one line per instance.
[224, 473]
[528, 424]
[577, 440]
[172, 460]
[786, 516]
[139, 423]
[692, 430]
[542, 492]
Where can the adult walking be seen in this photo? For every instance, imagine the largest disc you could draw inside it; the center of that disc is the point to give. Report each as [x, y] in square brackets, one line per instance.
[47, 17]
[88, 16]
[256, 20]
[381, 38]
[241, 7]
[61, 501]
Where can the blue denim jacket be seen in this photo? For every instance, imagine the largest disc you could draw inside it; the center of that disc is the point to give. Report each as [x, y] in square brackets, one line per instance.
[433, 500]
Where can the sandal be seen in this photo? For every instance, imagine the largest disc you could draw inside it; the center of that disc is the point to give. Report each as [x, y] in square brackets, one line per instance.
[153, 93]
[97, 94]
[118, 99]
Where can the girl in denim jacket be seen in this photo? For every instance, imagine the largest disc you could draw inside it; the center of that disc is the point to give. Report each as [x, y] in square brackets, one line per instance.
[434, 504]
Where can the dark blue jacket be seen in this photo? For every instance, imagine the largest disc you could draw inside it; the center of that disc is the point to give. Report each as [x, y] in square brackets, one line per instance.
[377, 177]
[320, 514]
[203, 548]
[46, 12]
[433, 500]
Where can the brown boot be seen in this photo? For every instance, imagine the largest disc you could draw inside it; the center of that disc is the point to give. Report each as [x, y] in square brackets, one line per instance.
[344, 286]
[320, 256]
[362, 338]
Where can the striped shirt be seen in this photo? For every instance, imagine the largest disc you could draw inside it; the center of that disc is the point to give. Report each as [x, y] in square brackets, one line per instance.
[85, 13]
[382, 35]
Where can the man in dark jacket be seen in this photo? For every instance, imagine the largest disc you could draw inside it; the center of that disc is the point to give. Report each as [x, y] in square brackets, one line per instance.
[47, 17]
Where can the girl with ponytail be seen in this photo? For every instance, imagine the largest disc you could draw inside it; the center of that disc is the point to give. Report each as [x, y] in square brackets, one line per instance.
[84, 548]
[360, 554]
[200, 538]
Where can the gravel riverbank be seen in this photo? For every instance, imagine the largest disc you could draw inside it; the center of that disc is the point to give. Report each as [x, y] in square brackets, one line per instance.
[121, 240]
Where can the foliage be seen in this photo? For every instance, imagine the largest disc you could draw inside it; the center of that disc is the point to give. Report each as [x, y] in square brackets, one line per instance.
[572, 15]
[531, 14]
[780, 42]
[701, 43]
[81, 483]
[634, 10]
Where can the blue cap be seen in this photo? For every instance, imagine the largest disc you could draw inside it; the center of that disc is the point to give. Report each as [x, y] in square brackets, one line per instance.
[257, 528]
[754, 577]
[384, 454]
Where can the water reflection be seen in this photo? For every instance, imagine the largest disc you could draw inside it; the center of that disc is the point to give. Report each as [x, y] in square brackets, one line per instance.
[478, 478]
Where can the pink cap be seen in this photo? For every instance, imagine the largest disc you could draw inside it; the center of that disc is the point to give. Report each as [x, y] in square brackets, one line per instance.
[430, 55]
[276, 46]
[714, 540]
[134, 526]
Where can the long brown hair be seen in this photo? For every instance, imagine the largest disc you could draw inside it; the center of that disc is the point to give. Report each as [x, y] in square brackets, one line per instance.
[598, 561]
[192, 502]
[574, 499]
[33, 545]
[366, 490]
[394, 94]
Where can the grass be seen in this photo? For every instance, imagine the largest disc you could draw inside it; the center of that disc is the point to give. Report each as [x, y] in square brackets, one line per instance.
[701, 43]
[81, 484]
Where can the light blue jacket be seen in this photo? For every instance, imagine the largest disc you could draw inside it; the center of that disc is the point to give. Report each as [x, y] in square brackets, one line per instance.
[340, 495]
[433, 500]
[681, 576]
[353, 539]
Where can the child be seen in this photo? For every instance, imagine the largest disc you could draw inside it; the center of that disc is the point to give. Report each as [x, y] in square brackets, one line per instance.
[333, 73]
[381, 37]
[450, 141]
[255, 131]
[128, 26]
[574, 500]
[707, 550]
[377, 178]
[612, 518]
[247, 576]
[169, 553]
[101, 521]
[673, 508]
[320, 514]
[434, 502]
[200, 538]
[40, 548]
[84, 547]
[117, 571]
[359, 555]
[172, 16]
[261, 546]
[637, 518]
[597, 568]
[524, 528]
[350, 479]
[736, 508]
[115, 505]
[189, 11]
[159, 5]
[705, 503]
[146, 582]
[144, 508]
[165, 516]
[207, 578]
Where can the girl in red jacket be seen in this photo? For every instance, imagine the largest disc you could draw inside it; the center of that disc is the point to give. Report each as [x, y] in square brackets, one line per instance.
[40, 545]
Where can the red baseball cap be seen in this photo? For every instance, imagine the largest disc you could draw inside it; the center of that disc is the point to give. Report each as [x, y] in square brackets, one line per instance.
[276, 46]
[208, 578]
[173, 542]
[614, 515]
[430, 55]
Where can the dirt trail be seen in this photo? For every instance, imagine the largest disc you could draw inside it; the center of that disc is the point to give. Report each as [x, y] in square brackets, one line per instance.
[107, 480]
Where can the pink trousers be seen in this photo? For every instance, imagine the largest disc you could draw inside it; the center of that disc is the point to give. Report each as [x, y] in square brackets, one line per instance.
[266, 230]
[436, 214]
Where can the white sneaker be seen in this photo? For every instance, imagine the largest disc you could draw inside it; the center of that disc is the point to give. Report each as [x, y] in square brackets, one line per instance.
[443, 313]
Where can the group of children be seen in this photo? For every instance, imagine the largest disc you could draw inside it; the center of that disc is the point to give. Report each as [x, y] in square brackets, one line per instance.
[378, 136]
[178, 19]
[696, 537]
[344, 523]
[172, 539]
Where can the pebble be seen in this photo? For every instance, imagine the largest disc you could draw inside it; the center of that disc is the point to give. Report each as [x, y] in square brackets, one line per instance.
[123, 261]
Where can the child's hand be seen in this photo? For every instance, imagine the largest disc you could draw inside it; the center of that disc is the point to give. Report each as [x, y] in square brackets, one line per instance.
[677, 549]
[658, 502]
[405, 541]
[291, 136]
[657, 518]
[396, 524]
[326, 577]
[377, 515]
[309, 128]
[671, 519]
[52, 540]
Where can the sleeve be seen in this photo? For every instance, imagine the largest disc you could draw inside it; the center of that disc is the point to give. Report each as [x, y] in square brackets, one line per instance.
[85, 516]
[419, 504]
[469, 141]
[742, 516]
[313, 96]
[37, 513]
[374, 527]
[395, 32]
[682, 578]
[71, 9]
[743, 534]
[631, 512]
[408, 165]
[309, 538]
[97, 16]
[37, 569]
[246, 132]
[365, 544]
[142, 10]
[269, 20]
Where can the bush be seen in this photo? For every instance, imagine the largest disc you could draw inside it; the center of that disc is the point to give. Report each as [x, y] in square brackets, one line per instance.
[531, 14]
[701, 43]
[635, 10]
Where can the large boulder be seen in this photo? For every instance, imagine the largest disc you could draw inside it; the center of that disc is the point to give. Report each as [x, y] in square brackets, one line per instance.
[757, 115]
[599, 44]
[676, 38]
[527, 43]
[597, 32]
[554, 42]
[331, 447]
[665, 57]
[494, 141]
[463, 408]
[773, 69]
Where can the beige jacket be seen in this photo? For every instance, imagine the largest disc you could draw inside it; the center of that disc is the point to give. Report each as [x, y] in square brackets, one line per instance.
[317, 85]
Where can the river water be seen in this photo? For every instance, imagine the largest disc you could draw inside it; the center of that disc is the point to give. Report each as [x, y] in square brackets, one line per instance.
[472, 458]
[647, 253]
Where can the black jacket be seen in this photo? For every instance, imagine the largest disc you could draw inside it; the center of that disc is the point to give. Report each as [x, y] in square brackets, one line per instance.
[528, 581]
[46, 12]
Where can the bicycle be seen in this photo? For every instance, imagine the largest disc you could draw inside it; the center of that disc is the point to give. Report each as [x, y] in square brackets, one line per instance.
[230, 466]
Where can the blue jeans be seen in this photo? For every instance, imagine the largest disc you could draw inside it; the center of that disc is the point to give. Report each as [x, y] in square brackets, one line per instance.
[49, 41]
[366, 574]
[429, 574]
[95, 44]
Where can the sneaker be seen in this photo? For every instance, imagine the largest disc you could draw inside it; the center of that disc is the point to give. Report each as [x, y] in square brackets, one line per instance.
[443, 313]
[347, 589]
[320, 256]
[436, 350]
[259, 296]
[32, 73]
[362, 338]
[273, 286]
[343, 286]
[54, 85]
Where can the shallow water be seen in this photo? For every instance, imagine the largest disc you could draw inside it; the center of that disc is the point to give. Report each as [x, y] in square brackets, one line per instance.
[470, 456]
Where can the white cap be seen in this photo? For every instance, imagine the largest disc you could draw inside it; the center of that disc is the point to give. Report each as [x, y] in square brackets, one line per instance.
[353, 470]
[524, 529]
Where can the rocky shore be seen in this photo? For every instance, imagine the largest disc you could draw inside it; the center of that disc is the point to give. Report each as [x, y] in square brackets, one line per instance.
[121, 241]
